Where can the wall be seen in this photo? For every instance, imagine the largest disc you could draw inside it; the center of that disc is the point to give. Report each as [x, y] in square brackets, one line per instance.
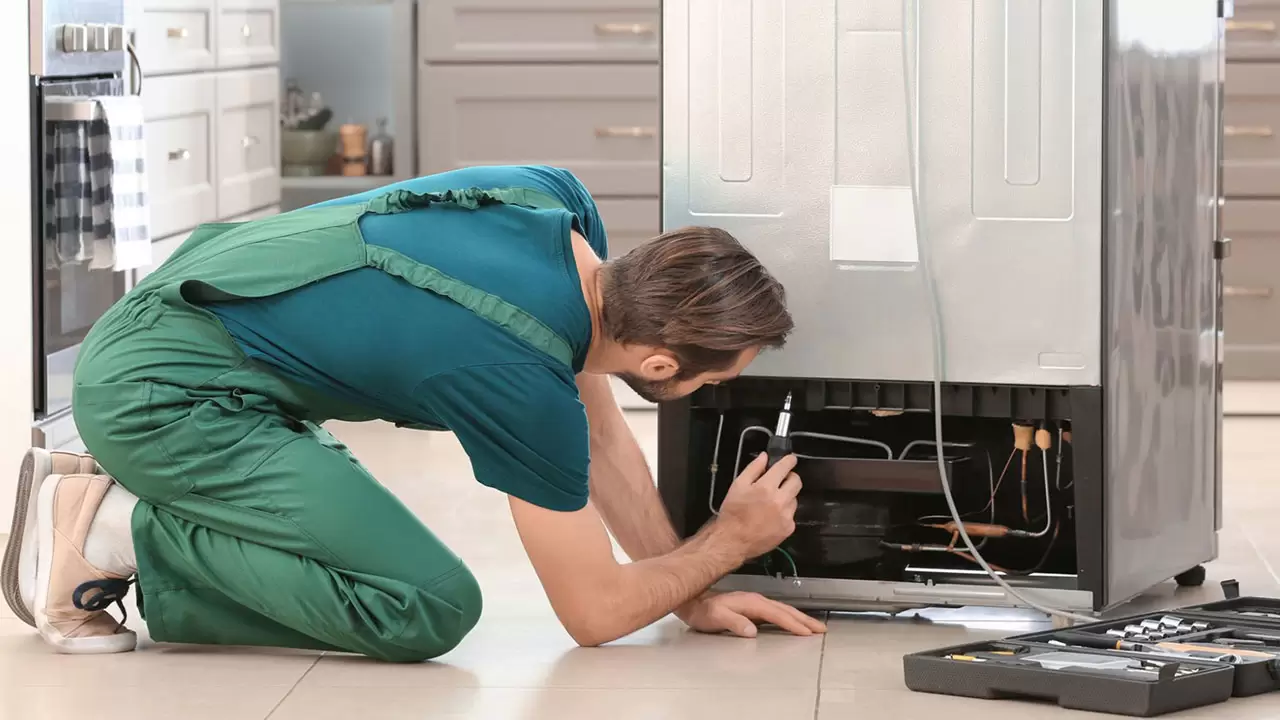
[15, 262]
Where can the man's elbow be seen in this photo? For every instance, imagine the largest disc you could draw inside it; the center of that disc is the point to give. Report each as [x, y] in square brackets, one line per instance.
[591, 628]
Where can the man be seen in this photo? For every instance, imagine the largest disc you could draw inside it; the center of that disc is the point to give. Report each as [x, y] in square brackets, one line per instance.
[474, 301]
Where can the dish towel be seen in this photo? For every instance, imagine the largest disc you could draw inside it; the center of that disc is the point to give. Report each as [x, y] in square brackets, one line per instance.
[118, 163]
[68, 195]
[96, 198]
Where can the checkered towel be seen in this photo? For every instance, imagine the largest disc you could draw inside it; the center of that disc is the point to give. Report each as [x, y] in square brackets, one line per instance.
[97, 193]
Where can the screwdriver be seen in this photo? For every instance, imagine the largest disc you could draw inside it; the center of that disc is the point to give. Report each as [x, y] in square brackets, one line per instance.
[780, 442]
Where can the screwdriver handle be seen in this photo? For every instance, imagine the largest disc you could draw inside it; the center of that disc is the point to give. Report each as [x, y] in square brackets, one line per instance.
[778, 448]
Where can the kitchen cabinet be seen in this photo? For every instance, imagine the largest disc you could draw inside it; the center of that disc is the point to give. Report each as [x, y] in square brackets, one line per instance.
[1251, 189]
[601, 123]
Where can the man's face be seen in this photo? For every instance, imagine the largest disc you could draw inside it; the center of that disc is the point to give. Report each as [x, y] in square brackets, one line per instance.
[657, 389]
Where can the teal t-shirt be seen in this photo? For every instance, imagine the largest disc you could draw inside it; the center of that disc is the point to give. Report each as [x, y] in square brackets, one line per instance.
[415, 358]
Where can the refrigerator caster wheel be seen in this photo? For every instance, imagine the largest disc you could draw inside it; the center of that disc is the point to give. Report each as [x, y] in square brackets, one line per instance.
[1191, 578]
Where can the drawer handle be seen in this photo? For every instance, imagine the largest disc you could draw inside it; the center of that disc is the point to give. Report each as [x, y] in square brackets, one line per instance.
[626, 29]
[1246, 292]
[249, 141]
[627, 132]
[179, 155]
[246, 31]
[1251, 26]
[1260, 131]
[177, 33]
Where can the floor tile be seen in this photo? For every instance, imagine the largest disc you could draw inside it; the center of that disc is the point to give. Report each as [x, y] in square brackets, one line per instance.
[320, 703]
[523, 654]
[867, 654]
[155, 701]
[25, 661]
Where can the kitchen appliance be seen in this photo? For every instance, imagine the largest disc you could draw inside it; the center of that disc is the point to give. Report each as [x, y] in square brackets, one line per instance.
[80, 49]
[1019, 200]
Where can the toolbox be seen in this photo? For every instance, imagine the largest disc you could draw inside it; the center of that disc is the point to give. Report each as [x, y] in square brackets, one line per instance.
[1141, 665]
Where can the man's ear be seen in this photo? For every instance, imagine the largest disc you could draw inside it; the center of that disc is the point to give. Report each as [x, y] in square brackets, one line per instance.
[659, 367]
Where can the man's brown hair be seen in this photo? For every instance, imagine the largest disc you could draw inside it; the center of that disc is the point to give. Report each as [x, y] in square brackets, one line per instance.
[698, 293]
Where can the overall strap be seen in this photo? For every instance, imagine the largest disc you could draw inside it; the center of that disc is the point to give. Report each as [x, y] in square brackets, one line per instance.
[511, 318]
[398, 201]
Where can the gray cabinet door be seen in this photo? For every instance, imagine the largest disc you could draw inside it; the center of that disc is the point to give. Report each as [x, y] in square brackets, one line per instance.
[248, 33]
[177, 35]
[1251, 126]
[248, 141]
[181, 124]
[539, 30]
[599, 122]
[1253, 33]
[1251, 290]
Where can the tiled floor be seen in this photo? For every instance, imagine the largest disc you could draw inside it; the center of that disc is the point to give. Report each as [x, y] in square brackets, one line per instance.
[519, 663]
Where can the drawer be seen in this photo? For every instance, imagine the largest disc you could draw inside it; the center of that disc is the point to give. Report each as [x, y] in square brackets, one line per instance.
[177, 36]
[600, 122]
[539, 30]
[181, 123]
[629, 222]
[1251, 275]
[248, 141]
[1251, 126]
[1253, 33]
[248, 33]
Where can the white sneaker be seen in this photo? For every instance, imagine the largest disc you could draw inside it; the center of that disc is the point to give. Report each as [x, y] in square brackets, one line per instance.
[18, 571]
[72, 593]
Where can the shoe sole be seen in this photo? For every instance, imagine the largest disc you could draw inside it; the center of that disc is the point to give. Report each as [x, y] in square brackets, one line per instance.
[120, 642]
[36, 464]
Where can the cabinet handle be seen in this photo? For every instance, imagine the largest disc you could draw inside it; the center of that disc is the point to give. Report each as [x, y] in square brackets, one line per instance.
[626, 29]
[1246, 292]
[177, 33]
[179, 155]
[249, 141]
[246, 31]
[1260, 131]
[1251, 26]
[626, 132]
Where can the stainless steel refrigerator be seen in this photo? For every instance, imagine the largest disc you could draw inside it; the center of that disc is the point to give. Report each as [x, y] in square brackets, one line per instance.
[1038, 181]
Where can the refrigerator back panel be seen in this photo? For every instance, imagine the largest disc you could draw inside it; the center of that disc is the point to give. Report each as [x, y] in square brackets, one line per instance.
[785, 123]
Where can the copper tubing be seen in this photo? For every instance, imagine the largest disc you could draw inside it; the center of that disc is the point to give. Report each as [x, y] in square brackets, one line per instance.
[1026, 515]
[938, 548]
[975, 529]
[1023, 437]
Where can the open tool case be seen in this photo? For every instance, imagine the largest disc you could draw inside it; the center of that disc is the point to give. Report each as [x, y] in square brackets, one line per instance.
[1141, 665]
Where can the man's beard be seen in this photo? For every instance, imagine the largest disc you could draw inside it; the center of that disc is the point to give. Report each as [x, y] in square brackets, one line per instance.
[654, 391]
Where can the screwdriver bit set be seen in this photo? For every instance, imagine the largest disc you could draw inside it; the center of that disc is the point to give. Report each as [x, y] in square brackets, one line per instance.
[1142, 665]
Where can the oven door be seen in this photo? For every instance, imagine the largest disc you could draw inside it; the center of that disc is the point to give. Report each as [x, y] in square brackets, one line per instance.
[69, 296]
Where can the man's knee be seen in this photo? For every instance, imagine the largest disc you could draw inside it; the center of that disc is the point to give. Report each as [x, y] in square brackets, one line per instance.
[451, 607]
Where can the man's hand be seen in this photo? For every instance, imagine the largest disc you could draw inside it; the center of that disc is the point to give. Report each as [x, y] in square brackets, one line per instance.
[760, 507]
[740, 612]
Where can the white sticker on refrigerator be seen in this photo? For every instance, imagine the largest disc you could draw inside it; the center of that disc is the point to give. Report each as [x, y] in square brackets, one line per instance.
[873, 225]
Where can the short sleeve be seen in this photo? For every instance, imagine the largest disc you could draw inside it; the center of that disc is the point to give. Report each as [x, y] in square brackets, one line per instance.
[522, 425]
[584, 208]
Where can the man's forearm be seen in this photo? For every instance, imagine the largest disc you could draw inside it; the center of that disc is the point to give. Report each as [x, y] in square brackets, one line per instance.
[648, 590]
[622, 489]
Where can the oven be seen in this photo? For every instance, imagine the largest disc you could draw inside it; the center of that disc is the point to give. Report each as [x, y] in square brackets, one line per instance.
[80, 50]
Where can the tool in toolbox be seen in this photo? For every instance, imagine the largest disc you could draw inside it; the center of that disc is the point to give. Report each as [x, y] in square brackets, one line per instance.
[1145, 665]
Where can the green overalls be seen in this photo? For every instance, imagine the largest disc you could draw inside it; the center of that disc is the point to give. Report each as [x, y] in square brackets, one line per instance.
[256, 526]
